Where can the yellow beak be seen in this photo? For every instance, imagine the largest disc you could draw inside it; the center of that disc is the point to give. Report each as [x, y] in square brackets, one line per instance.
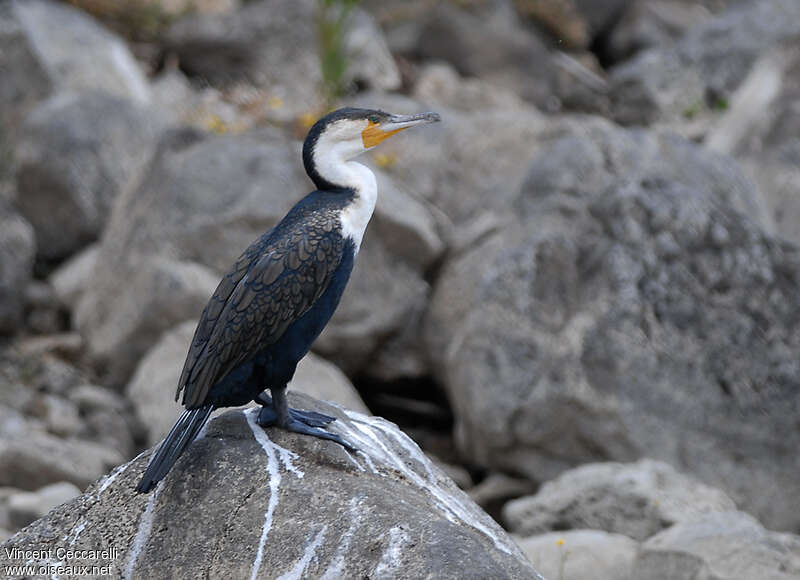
[376, 133]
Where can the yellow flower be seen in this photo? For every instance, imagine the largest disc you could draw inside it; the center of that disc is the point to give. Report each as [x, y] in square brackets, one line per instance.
[214, 123]
[275, 102]
[307, 120]
[385, 160]
[560, 542]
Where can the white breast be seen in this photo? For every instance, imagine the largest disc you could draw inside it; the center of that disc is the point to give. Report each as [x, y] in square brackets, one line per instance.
[356, 215]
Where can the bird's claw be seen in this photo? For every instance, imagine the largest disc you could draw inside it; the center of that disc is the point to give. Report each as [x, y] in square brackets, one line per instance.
[304, 422]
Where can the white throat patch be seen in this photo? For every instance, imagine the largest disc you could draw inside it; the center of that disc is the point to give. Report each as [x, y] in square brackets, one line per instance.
[332, 154]
[356, 215]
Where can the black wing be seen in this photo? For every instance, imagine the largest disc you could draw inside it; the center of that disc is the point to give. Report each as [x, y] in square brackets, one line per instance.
[215, 306]
[255, 304]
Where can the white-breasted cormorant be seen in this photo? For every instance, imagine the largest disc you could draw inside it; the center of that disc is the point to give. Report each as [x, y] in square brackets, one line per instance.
[281, 292]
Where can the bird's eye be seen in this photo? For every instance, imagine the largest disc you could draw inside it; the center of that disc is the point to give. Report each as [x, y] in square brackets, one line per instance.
[374, 119]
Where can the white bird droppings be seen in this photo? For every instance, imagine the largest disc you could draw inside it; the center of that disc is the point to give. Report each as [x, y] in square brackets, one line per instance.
[299, 569]
[391, 558]
[275, 455]
[143, 532]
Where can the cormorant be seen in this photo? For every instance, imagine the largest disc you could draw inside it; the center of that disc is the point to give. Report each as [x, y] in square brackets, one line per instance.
[281, 292]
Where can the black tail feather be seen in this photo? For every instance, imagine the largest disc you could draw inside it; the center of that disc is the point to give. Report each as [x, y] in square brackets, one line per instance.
[182, 434]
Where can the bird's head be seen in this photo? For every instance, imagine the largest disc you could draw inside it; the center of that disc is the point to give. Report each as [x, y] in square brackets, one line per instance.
[345, 133]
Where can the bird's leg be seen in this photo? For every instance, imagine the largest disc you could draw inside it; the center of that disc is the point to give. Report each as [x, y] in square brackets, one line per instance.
[268, 417]
[281, 415]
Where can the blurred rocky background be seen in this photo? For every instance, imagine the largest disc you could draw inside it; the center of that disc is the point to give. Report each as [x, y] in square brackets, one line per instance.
[580, 293]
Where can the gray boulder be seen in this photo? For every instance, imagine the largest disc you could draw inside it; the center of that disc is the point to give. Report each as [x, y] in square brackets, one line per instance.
[777, 173]
[272, 44]
[440, 84]
[17, 252]
[488, 153]
[699, 74]
[582, 554]
[761, 129]
[151, 390]
[47, 47]
[370, 64]
[77, 152]
[323, 380]
[107, 417]
[27, 506]
[383, 292]
[652, 24]
[489, 41]
[720, 546]
[32, 459]
[71, 277]
[637, 500]
[244, 501]
[633, 307]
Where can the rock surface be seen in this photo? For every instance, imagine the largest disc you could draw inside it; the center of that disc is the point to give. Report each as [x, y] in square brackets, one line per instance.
[152, 387]
[71, 278]
[47, 47]
[700, 72]
[34, 459]
[583, 554]
[634, 308]
[490, 43]
[17, 252]
[637, 500]
[25, 507]
[488, 150]
[761, 129]
[272, 45]
[77, 152]
[300, 507]
[720, 546]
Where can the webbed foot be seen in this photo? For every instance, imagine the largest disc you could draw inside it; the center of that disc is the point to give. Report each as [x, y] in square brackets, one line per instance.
[299, 421]
[299, 427]
[268, 417]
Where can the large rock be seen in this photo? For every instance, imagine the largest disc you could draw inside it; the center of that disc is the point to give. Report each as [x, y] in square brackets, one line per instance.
[633, 307]
[72, 277]
[152, 387]
[761, 128]
[17, 252]
[440, 84]
[582, 554]
[325, 381]
[652, 24]
[273, 45]
[489, 42]
[33, 459]
[77, 152]
[637, 500]
[700, 72]
[244, 501]
[27, 506]
[382, 294]
[721, 546]
[47, 47]
[108, 418]
[488, 154]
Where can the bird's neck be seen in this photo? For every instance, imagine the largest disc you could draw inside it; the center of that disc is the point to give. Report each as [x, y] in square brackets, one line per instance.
[329, 167]
[355, 216]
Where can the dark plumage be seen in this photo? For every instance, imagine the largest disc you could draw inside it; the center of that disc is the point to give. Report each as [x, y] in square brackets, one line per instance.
[279, 295]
